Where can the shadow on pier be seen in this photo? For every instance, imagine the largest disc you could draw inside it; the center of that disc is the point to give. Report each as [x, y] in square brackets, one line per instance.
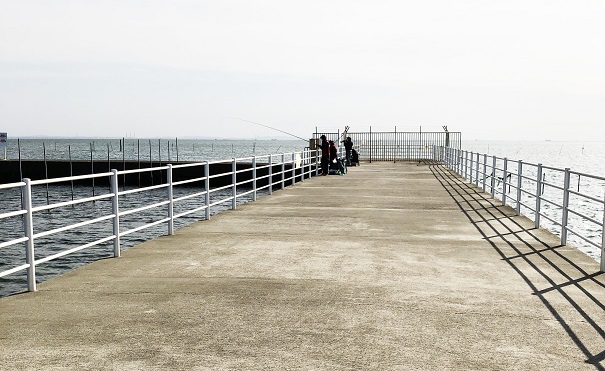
[541, 262]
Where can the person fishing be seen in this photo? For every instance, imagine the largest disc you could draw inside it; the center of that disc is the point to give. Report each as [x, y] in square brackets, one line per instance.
[334, 158]
[348, 147]
[325, 155]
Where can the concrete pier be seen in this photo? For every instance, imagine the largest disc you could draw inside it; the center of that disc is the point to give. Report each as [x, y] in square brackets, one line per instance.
[393, 266]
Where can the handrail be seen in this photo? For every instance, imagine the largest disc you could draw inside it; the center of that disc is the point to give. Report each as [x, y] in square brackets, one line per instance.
[531, 188]
[264, 173]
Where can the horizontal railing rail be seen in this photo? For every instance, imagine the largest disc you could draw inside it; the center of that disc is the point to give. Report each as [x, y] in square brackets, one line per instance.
[260, 173]
[540, 192]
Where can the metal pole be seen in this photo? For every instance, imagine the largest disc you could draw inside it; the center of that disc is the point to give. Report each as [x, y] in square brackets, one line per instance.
[92, 171]
[484, 170]
[493, 190]
[270, 174]
[234, 180]
[302, 165]
[504, 175]
[465, 164]
[603, 241]
[139, 159]
[470, 173]
[45, 170]
[254, 178]
[150, 162]
[116, 213]
[170, 200]
[316, 161]
[283, 170]
[293, 168]
[370, 143]
[538, 196]
[565, 207]
[477, 171]
[519, 184]
[71, 172]
[124, 166]
[207, 188]
[29, 233]
[20, 165]
[160, 159]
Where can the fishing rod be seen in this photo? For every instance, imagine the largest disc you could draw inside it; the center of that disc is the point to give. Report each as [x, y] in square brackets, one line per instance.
[267, 126]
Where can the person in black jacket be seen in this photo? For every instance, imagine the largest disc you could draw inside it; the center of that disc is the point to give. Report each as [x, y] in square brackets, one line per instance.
[325, 155]
[348, 147]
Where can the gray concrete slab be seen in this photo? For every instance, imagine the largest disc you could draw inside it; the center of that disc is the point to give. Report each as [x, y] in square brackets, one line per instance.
[393, 266]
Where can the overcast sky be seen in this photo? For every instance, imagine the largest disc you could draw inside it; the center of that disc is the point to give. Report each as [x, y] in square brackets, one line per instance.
[530, 69]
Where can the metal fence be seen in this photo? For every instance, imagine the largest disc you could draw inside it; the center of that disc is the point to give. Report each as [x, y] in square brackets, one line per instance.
[278, 172]
[566, 202]
[397, 146]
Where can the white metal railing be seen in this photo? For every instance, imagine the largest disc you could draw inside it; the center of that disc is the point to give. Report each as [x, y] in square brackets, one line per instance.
[396, 145]
[244, 181]
[545, 193]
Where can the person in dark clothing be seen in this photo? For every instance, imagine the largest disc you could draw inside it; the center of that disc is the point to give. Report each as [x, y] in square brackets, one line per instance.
[333, 152]
[334, 160]
[325, 155]
[348, 147]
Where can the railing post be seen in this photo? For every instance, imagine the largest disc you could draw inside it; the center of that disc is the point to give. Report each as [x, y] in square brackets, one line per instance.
[493, 190]
[170, 200]
[504, 175]
[316, 162]
[207, 188]
[29, 233]
[254, 178]
[302, 165]
[293, 168]
[538, 196]
[477, 171]
[234, 181]
[116, 213]
[603, 241]
[484, 170]
[519, 184]
[283, 170]
[565, 207]
[470, 156]
[270, 178]
[465, 166]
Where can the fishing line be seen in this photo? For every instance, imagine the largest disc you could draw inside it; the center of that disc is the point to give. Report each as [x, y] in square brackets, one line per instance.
[267, 126]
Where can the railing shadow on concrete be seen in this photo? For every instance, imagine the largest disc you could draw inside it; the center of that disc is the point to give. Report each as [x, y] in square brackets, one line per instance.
[540, 262]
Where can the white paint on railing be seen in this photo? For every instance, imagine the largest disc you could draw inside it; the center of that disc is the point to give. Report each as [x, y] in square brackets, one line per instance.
[29, 233]
[297, 161]
[207, 188]
[603, 240]
[519, 180]
[115, 209]
[459, 164]
[504, 180]
[565, 214]
[170, 200]
[254, 178]
[283, 170]
[234, 181]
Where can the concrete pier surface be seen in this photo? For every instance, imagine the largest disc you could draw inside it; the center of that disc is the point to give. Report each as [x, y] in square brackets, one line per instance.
[393, 266]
